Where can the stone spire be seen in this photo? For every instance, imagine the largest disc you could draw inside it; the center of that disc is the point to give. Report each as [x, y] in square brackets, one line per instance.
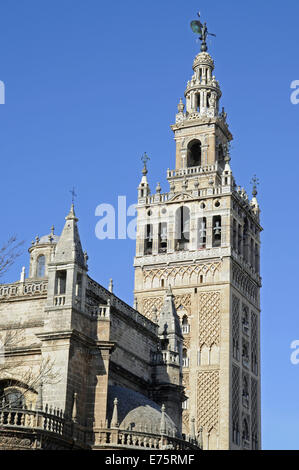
[69, 248]
[169, 323]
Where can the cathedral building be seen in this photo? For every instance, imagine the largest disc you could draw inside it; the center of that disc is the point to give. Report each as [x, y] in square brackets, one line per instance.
[202, 238]
[81, 369]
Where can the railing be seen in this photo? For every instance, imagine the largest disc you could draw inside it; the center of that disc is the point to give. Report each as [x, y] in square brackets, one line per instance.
[50, 419]
[59, 300]
[98, 311]
[19, 289]
[124, 308]
[55, 421]
[193, 170]
[136, 439]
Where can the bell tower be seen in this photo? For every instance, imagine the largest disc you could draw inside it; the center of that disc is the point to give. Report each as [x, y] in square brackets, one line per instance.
[202, 239]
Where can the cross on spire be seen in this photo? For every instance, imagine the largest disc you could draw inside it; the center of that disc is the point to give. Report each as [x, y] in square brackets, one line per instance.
[72, 191]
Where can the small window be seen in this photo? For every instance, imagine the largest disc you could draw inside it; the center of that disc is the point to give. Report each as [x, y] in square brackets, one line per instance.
[185, 358]
[41, 266]
[185, 325]
[60, 284]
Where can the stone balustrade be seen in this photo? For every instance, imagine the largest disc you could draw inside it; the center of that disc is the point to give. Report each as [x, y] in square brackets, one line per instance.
[193, 170]
[48, 419]
[121, 306]
[20, 289]
[55, 423]
[121, 438]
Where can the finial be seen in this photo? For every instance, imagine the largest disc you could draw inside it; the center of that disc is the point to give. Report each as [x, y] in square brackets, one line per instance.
[36, 239]
[23, 274]
[192, 434]
[114, 420]
[52, 230]
[145, 158]
[74, 408]
[85, 257]
[200, 437]
[201, 29]
[39, 401]
[158, 188]
[163, 423]
[255, 182]
[110, 288]
[181, 106]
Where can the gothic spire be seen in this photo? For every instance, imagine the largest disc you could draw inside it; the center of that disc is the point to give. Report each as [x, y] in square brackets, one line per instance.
[69, 248]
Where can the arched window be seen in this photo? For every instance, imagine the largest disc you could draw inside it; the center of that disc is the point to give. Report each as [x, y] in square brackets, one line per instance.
[245, 394]
[185, 358]
[194, 153]
[185, 325]
[41, 265]
[182, 221]
[245, 431]
[13, 398]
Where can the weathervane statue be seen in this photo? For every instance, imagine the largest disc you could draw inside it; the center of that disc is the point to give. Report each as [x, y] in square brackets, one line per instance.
[203, 32]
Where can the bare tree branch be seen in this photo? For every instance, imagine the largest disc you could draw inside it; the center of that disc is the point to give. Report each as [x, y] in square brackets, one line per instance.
[17, 372]
[9, 252]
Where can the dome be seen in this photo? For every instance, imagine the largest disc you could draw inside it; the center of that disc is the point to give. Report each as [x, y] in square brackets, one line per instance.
[46, 238]
[136, 411]
[203, 58]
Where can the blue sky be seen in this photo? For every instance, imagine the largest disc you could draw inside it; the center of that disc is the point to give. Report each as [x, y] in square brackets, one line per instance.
[91, 85]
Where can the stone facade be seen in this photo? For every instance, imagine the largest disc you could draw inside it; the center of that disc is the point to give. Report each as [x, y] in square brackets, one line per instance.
[74, 349]
[202, 238]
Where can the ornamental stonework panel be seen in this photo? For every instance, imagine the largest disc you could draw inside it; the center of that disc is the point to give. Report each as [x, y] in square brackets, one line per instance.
[182, 302]
[185, 421]
[208, 400]
[209, 318]
[179, 275]
[151, 303]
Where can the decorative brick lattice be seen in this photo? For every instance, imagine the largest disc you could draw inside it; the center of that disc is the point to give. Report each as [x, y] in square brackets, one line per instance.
[209, 318]
[186, 342]
[208, 400]
[185, 421]
[149, 303]
[236, 396]
[254, 407]
[254, 355]
[236, 325]
[183, 301]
